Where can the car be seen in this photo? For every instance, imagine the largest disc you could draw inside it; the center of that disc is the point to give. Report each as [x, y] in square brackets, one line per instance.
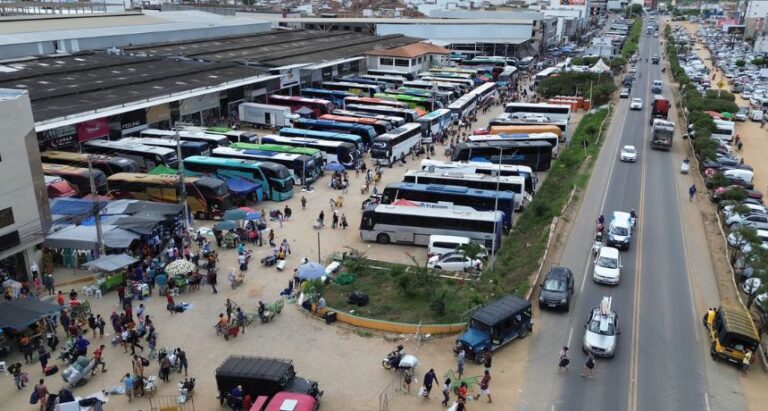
[628, 153]
[755, 217]
[636, 104]
[620, 230]
[624, 93]
[747, 200]
[454, 262]
[607, 268]
[742, 114]
[753, 208]
[757, 115]
[602, 330]
[736, 240]
[751, 285]
[557, 288]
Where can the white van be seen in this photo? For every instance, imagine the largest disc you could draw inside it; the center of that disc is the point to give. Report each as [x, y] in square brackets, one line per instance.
[442, 244]
[746, 176]
[619, 230]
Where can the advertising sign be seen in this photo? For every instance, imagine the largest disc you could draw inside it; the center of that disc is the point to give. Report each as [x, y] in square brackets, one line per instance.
[289, 77]
[572, 2]
[89, 130]
[61, 137]
[735, 29]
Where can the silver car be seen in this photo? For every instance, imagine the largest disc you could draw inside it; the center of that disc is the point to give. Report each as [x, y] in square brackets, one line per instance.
[602, 330]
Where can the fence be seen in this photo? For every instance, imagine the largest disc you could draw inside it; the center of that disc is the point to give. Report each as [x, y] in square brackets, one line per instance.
[394, 386]
[170, 403]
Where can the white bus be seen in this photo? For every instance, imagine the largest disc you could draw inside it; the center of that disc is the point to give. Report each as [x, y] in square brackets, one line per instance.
[553, 111]
[396, 144]
[485, 91]
[483, 168]
[413, 225]
[332, 151]
[146, 157]
[434, 123]
[544, 74]
[550, 138]
[213, 140]
[389, 81]
[393, 120]
[513, 184]
[463, 107]
[358, 89]
[453, 88]
[465, 84]
[188, 148]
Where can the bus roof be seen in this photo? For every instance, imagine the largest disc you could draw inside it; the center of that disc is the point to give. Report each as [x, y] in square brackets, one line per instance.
[319, 133]
[63, 168]
[400, 130]
[450, 189]
[435, 114]
[455, 212]
[118, 145]
[231, 162]
[306, 140]
[279, 148]
[443, 173]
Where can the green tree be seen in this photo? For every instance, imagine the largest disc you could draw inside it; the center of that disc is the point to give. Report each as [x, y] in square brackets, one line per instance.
[740, 63]
[759, 61]
[744, 236]
[472, 250]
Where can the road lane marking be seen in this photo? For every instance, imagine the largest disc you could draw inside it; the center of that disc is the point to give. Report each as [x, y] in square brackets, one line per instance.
[570, 336]
[687, 263]
[706, 401]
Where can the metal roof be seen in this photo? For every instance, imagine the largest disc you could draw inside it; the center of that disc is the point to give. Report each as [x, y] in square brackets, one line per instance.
[738, 320]
[500, 310]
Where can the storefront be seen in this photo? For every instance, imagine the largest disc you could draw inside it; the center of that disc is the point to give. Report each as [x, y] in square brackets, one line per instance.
[159, 117]
[89, 130]
[60, 138]
[13, 264]
[201, 110]
[126, 124]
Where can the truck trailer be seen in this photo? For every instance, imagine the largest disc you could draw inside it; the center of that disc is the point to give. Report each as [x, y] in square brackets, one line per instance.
[266, 115]
[659, 108]
[662, 133]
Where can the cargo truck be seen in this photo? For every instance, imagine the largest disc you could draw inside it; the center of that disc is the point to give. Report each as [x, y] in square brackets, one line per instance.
[662, 133]
[659, 108]
[266, 115]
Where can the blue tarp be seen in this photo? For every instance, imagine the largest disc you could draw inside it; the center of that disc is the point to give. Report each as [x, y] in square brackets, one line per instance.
[72, 206]
[241, 186]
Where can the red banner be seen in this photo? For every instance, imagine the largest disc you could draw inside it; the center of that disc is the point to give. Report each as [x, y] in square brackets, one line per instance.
[92, 129]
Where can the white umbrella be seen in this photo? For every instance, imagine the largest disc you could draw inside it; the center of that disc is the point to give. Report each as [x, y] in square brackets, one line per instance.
[179, 267]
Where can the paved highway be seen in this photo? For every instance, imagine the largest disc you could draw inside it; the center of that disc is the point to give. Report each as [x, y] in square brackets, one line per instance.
[661, 361]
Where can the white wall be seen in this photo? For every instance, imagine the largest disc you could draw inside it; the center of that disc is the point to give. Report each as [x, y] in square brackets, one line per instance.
[486, 33]
[757, 9]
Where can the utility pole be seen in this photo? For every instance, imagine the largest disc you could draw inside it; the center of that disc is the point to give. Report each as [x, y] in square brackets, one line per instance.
[96, 210]
[183, 188]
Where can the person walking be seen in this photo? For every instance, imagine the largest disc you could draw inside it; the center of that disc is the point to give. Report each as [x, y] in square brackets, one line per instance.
[42, 394]
[303, 203]
[691, 192]
[98, 359]
[25, 344]
[43, 356]
[181, 357]
[170, 304]
[344, 223]
[100, 323]
[321, 218]
[212, 279]
[18, 375]
[48, 283]
[429, 379]
[240, 316]
[335, 219]
[564, 360]
[485, 386]
[460, 362]
[487, 360]
[165, 368]
[446, 392]
[133, 338]
[92, 324]
[589, 366]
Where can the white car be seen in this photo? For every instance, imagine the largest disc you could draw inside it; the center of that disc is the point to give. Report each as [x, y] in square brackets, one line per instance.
[607, 266]
[753, 208]
[454, 262]
[752, 285]
[746, 219]
[636, 104]
[628, 153]
[624, 93]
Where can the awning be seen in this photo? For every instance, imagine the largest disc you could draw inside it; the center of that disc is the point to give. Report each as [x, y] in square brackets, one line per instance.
[22, 312]
[84, 238]
[112, 262]
[71, 206]
[241, 186]
[138, 224]
[159, 208]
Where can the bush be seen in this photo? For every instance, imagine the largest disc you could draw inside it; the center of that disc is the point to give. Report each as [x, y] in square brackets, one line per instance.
[633, 39]
[573, 83]
[740, 63]
[758, 61]
[720, 95]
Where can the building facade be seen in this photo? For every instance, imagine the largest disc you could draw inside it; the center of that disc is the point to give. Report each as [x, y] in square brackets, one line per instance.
[24, 211]
[410, 59]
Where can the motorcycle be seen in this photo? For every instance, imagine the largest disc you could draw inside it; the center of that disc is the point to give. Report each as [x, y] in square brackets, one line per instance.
[399, 360]
[185, 390]
[68, 352]
[373, 200]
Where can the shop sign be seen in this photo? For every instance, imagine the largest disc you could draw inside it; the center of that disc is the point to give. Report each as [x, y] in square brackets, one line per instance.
[88, 130]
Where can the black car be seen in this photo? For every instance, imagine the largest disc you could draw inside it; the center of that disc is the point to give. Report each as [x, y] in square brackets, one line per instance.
[557, 288]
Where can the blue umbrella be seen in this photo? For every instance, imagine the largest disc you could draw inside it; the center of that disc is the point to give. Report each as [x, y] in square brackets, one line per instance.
[334, 167]
[253, 215]
[235, 214]
[225, 225]
[311, 271]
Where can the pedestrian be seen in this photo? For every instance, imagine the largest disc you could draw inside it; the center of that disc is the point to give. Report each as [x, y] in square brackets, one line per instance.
[100, 323]
[460, 362]
[344, 223]
[589, 366]
[48, 283]
[127, 381]
[463, 392]
[271, 237]
[321, 218]
[429, 379]
[485, 386]
[170, 304]
[165, 368]
[25, 344]
[739, 146]
[240, 316]
[121, 294]
[446, 392]
[335, 219]
[564, 360]
[140, 312]
[692, 192]
[747, 360]
[152, 345]
[18, 375]
[303, 202]
[138, 365]
[133, 338]
[42, 394]
[98, 359]
[92, 324]
[60, 300]
[43, 356]
[287, 212]
[181, 357]
[229, 306]
[212, 279]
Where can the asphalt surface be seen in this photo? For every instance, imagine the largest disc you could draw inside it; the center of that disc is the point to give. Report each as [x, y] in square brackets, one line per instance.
[661, 360]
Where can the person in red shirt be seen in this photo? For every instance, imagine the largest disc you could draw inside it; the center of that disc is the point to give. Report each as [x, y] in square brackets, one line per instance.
[60, 298]
[98, 360]
[485, 386]
[171, 306]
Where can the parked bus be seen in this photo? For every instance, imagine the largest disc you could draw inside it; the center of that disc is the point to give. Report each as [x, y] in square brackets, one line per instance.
[463, 107]
[459, 70]
[534, 154]
[434, 123]
[379, 126]
[334, 96]
[79, 177]
[414, 225]
[207, 198]
[370, 101]
[146, 157]
[212, 140]
[414, 102]
[452, 88]
[396, 144]
[441, 97]
[550, 138]
[543, 75]
[332, 151]
[317, 106]
[392, 120]
[275, 179]
[365, 132]
[188, 148]
[485, 92]
[389, 73]
[461, 76]
[513, 184]
[529, 129]
[553, 111]
[107, 164]
[465, 84]
[357, 89]
[324, 135]
[303, 168]
[406, 113]
[234, 136]
[491, 169]
[386, 81]
[480, 200]
[313, 153]
[529, 120]
[485, 61]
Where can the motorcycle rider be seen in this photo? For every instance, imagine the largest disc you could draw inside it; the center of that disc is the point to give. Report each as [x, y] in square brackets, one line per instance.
[633, 215]
[395, 356]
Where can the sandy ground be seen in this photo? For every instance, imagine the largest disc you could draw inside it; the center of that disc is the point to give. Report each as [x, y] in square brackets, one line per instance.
[345, 362]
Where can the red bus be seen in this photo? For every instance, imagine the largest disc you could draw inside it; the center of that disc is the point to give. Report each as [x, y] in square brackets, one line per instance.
[371, 101]
[379, 126]
[299, 105]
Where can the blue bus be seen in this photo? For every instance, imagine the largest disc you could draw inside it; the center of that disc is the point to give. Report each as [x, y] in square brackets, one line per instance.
[334, 96]
[366, 132]
[323, 135]
[480, 200]
[535, 154]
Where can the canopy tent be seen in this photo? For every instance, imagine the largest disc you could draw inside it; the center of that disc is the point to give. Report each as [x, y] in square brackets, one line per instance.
[23, 312]
[600, 67]
[105, 219]
[117, 206]
[84, 237]
[112, 262]
[152, 207]
[241, 186]
[72, 206]
[139, 224]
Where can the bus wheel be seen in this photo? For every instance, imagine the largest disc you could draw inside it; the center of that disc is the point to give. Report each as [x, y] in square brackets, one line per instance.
[200, 215]
[382, 238]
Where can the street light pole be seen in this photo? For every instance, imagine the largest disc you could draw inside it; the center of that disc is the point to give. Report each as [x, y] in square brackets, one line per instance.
[183, 189]
[318, 247]
[96, 211]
